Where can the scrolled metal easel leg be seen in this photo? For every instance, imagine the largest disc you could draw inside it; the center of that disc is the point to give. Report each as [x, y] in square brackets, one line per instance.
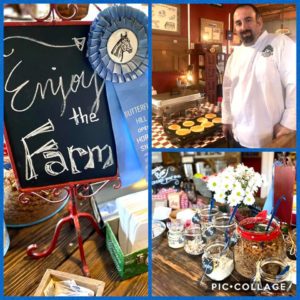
[31, 249]
[73, 218]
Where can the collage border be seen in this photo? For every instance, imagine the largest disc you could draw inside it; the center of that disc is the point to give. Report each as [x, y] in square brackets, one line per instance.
[149, 2]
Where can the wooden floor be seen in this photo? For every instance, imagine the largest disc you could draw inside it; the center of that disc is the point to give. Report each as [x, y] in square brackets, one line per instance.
[175, 273]
[23, 274]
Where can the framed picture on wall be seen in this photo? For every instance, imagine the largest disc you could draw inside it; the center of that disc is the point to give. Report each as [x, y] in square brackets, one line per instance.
[211, 31]
[166, 19]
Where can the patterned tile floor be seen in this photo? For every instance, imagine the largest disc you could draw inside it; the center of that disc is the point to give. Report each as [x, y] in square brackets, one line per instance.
[161, 140]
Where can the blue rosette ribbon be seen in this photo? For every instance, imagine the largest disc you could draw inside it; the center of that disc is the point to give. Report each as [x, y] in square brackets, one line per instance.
[118, 53]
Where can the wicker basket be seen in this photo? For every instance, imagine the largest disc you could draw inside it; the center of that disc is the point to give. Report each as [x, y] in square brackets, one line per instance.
[127, 265]
[18, 214]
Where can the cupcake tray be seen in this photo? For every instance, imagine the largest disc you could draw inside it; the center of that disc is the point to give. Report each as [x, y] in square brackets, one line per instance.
[182, 140]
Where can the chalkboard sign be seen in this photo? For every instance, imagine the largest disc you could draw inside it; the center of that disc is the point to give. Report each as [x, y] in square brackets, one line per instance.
[207, 265]
[166, 177]
[57, 121]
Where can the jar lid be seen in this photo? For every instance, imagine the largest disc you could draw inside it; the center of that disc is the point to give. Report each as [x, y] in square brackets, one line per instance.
[247, 229]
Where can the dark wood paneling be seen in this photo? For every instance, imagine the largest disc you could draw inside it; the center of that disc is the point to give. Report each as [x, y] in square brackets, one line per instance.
[169, 53]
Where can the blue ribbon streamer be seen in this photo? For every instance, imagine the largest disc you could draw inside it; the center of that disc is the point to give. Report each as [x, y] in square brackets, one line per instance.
[135, 106]
[129, 166]
[126, 87]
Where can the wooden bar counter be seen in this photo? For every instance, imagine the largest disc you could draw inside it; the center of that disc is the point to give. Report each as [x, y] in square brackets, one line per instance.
[23, 274]
[285, 141]
[175, 273]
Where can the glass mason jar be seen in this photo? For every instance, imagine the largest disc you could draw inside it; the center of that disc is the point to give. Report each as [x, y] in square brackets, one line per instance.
[175, 235]
[193, 243]
[207, 218]
[217, 262]
[221, 230]
[272, 277]
[255, 243]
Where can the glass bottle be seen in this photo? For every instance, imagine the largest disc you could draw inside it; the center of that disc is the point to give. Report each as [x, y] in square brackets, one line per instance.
[175, 235]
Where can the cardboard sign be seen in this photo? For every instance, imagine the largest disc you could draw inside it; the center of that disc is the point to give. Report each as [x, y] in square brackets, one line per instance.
[57, 122]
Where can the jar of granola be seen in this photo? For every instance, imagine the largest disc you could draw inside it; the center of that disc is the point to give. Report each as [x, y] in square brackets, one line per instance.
[255, 243]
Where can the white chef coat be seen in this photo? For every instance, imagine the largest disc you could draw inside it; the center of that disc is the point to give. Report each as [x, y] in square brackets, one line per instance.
[259, 89]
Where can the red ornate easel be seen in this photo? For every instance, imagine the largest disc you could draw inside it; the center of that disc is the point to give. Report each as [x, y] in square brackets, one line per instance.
[53, 10]
[73, 218]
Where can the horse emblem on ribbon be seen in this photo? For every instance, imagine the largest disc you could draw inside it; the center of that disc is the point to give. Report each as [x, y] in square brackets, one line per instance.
[123, 45]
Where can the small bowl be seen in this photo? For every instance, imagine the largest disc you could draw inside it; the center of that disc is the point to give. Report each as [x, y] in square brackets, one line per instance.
[158, 230]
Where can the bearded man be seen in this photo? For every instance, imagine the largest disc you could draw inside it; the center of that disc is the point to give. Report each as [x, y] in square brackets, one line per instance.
[259, 87]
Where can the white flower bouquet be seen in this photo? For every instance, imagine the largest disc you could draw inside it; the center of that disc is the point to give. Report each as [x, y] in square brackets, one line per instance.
[235, 186]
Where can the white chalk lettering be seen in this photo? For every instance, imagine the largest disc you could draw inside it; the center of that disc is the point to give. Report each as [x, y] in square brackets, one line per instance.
[77, 42]
[93, 117]
[109, 162]
[81, 152]
[56, 87]
[57, 165]
[51, 145]
[81, 118]
[49, 165]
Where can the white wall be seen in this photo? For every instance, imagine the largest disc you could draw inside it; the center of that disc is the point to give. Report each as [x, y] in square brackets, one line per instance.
[267, 160]
[271, 27]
